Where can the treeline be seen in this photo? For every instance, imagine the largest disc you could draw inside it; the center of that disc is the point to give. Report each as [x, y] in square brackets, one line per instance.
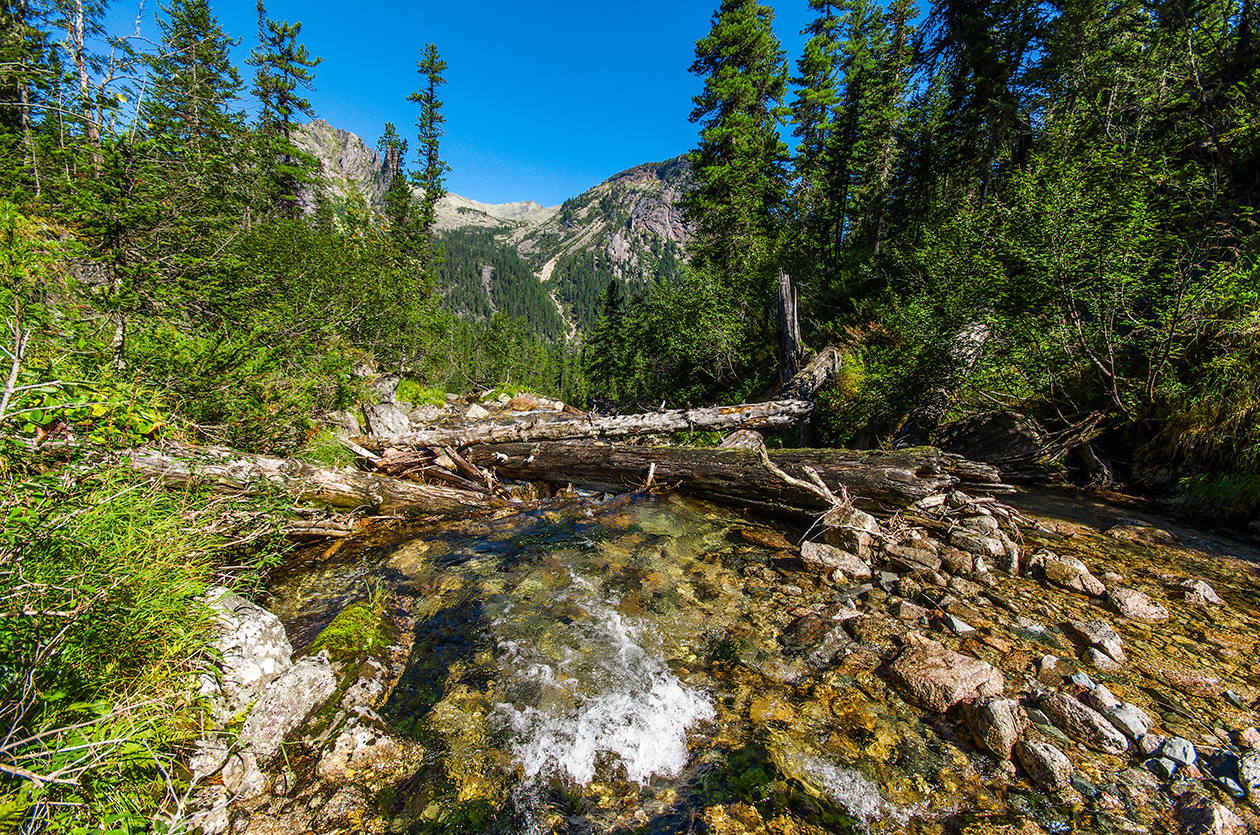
[1046, 208]
[159, 239]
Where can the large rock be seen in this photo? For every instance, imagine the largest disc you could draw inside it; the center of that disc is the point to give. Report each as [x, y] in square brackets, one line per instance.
[995, 724]
[936, 678]
[290, 699]
[1086, 726]
[1135, 605]
[1070, 573]
[1048, 766]
[828, 558]
[1099, 634]
[253, 650]
[1199, 815]
[386, 419]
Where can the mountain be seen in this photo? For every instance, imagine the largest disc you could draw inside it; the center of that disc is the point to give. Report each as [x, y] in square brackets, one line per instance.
[520, 257]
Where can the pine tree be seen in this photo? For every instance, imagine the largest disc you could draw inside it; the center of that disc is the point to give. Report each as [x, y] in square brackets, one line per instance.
[193, 84]
[392, 149]
[282, 66]
[430, 130]
[740, 164]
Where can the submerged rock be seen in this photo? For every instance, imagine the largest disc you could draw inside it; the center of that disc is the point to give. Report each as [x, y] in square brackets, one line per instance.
[1046, 765]
[1135, 605]
[936, 678]
[1070, 573]
[1083, 724]
[1099, 634]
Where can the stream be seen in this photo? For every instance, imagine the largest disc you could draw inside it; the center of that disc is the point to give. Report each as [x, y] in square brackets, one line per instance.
[658, 665]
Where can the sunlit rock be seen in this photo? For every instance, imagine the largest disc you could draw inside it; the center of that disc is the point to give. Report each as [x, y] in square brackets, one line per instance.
[1135, 605]
[936, 678]
[1082, 723]
[1048, 766]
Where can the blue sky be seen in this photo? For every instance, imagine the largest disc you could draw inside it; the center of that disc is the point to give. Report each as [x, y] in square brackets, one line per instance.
[543, 100]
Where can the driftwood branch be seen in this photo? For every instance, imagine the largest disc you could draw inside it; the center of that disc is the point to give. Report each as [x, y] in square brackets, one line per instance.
[874, 479]
[776, 414]
[236, 472]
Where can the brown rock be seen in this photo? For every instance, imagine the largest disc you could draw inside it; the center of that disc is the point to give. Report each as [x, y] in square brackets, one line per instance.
[1196, 684]
[763, 538]
[955, 560]
[1135, 605]
[1048, 766]
[1072, 574]
[1086, 726]
[1199, 815]
[936, 679]
[522, 403]
[828, 558]
[1100, 634]
[995, 724]
[1142, 533]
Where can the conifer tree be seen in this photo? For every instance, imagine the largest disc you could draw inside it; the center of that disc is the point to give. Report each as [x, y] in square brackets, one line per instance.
[430, 177]
[740, 163]
[392, 149]
[282, 67]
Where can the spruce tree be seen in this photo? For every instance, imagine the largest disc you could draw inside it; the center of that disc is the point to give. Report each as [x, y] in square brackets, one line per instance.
[740, 164]
[430, 177]
[282, 67]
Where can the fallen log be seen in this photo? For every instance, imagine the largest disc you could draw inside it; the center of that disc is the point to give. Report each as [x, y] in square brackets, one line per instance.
[230, 471]
[776, 414]
[806, 382]
[873, 479]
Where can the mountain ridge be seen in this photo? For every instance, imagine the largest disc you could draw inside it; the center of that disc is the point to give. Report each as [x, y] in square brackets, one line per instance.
[627, 228]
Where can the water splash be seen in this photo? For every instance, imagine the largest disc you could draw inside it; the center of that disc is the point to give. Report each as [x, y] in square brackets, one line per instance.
[597, 695]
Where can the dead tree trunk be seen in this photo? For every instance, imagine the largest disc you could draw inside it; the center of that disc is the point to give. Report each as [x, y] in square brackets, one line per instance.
[790, 348]
[228, 471]
[777, 414]
[873, 479]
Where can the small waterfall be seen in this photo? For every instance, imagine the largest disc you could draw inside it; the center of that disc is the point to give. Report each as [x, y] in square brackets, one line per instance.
[593, 694]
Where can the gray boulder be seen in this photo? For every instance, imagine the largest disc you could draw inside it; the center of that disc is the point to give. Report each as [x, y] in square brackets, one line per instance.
[1083, 724]
[290, 699]
[1048, 766]
[253, 650]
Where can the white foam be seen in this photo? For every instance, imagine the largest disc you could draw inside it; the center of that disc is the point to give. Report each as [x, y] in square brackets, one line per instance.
[628, 710]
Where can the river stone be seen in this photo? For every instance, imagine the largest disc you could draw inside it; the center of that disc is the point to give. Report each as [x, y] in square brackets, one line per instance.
[1129, 719]
[904, 557]
[995, 724]
[1101, 660]
[984, 525]
[1135, 605]
[1247, 738]
[1048, 766]
[1100, 699]
[1146, 534]
[253, 650]
[905, 610]
[1249, 774]
[828, 558]
[477, 412]
[979, 544]
[1199, 815]
[1180, 750]
[1194, 683]
[936, 678]
[851, 517]
[1199, 593]
[773, 540]
[955, 560]
[1100, 634]
[362, 747]
[386, 419]
[1070, 573]
[1083, 724]
[288, 701]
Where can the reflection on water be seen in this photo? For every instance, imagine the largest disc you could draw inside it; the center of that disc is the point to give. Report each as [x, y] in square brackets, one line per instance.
[619, 667]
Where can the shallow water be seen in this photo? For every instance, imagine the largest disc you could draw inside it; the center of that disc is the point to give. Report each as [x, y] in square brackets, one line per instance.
[629, 666]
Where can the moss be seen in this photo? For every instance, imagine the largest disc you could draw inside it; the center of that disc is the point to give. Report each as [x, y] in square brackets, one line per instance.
[410, 391]
[358, 630]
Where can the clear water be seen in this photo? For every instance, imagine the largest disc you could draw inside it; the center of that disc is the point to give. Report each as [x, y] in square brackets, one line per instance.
[620, 667]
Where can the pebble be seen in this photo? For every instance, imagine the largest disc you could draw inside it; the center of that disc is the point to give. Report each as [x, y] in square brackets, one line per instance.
[1161, 767]
[1180, 750]
[1148, 744]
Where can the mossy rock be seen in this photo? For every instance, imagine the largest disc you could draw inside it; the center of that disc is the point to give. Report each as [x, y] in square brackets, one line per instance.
[359, 630]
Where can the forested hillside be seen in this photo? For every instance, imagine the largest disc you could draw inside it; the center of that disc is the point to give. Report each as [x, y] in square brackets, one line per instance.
[1045, 210]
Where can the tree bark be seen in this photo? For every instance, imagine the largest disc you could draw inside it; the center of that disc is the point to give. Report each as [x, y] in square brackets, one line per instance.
[773, 415]
[790, 348]
[873, 479]
[230, 471]
[806, 382]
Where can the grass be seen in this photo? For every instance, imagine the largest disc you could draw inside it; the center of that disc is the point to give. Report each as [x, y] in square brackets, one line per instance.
[98, 672]
[409, 391]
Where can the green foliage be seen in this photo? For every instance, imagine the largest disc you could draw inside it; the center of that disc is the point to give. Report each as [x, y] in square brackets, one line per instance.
[108, 573]
[411, 391]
